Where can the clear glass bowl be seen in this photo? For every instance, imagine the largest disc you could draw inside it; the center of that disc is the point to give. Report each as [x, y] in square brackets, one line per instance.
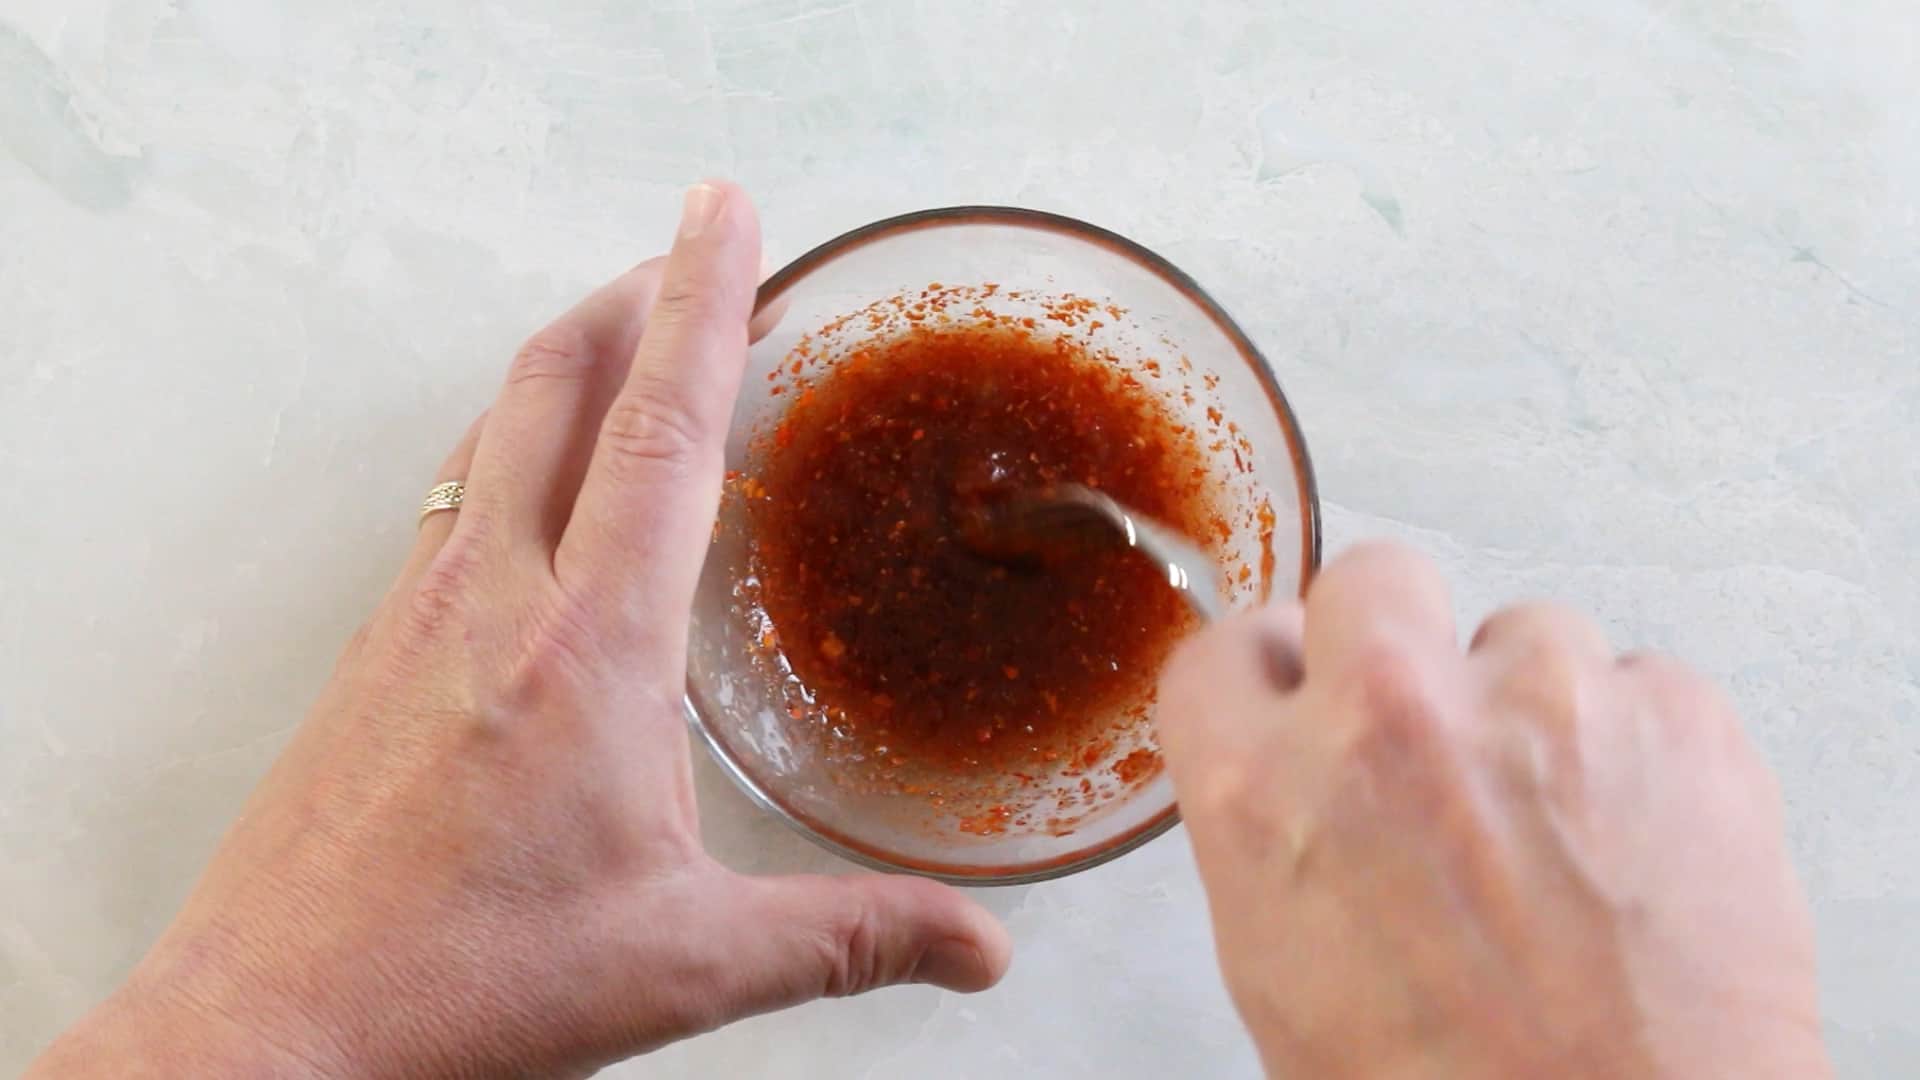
[1151, 317]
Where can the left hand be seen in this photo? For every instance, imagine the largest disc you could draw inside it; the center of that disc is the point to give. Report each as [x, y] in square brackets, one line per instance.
[480, 855]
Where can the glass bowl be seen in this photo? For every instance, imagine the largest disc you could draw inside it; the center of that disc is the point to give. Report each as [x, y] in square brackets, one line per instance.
[1143, 314]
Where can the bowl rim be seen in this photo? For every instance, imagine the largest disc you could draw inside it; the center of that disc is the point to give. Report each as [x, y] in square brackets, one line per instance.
[1308, 492]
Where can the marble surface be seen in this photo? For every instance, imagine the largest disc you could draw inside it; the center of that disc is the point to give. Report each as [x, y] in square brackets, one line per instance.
[1613, 300]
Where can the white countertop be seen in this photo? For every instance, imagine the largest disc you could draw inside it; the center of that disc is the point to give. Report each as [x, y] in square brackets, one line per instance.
[1619, 303]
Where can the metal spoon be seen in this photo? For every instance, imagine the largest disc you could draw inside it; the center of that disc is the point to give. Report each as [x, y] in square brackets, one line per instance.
[1035, 526]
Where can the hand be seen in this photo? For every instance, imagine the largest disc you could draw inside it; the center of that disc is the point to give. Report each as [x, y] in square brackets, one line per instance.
[479, 856]
[1533, 859]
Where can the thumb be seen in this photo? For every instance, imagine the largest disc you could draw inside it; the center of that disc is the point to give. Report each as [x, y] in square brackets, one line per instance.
[835, 936]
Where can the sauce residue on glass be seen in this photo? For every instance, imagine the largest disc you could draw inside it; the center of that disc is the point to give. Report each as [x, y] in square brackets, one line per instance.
[988, 685]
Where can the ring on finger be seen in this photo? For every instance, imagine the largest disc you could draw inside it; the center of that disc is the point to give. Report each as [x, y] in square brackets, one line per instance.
[447, 496]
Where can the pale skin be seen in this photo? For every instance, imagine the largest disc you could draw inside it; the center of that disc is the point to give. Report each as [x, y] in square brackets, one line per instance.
[1528, 858]
[480, 856]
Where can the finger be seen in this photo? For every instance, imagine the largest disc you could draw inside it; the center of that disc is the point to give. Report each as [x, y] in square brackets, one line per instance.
[766, 318]
[1223, 687]
[530, 463]
[633, 547]
[1673, 694]
[816, 936]
[1376, 594]
[1540, 656]
[435, 527]
[766, 313]
[1222, 707]
[1542, 625]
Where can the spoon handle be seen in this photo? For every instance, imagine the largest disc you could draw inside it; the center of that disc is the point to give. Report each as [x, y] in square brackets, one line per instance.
[1191, 573]
[1189, 570]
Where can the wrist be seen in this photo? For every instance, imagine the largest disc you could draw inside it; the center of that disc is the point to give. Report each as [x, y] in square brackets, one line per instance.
[193, 1016]
[134, 1034]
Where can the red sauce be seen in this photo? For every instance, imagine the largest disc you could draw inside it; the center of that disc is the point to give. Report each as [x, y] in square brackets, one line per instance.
[940, 662]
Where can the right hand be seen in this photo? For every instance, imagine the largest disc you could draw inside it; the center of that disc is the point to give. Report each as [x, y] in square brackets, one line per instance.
[1530, 859]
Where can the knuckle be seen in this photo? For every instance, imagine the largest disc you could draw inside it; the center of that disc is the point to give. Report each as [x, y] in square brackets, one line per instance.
[430, 606]
[1680, 696]
[1507, 622]
[1217, 800]
[491, 727]
[550, 660]
[1236, 799]
[1542, 629]
[532, 674]
[1665, 680]
[1368, 559]
[1378, 550]
[649, 425]
[851, 946]
[440, 597]
[1256, 827]
[1397, 695]
[558, 352]
[689, 298]
[1545, 681]
[1657, 670]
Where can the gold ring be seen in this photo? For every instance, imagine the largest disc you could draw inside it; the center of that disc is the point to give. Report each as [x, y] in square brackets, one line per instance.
[447, 496]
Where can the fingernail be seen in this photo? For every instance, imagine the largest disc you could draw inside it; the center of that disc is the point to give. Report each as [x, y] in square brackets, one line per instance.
[953, 964]
[702, 206]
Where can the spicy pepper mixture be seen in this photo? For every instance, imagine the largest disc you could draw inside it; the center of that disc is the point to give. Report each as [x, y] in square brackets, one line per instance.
[953, 673]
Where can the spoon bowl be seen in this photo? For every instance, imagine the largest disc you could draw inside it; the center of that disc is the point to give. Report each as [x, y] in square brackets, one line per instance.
[1051, 526]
